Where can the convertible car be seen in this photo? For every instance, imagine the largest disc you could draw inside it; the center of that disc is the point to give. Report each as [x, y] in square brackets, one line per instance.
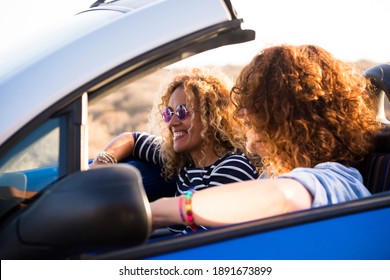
[52, 207]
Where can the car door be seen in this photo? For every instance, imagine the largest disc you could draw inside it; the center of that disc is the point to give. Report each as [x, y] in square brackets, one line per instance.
[47, 88]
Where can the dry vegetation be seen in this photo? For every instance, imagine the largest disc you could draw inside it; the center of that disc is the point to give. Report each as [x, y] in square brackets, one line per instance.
[129, 109]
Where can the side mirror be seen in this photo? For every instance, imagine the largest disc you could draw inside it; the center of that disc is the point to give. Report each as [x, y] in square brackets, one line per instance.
[97, 209]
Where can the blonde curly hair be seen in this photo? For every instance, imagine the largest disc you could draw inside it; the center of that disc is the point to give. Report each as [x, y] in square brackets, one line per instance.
[220, 129]
[306, 107]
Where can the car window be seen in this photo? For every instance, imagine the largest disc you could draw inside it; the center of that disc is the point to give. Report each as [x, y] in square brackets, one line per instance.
[30, 165]
[129, 108]
[133, 107]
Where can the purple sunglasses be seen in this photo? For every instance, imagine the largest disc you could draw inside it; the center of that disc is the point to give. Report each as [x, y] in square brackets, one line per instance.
[181, 113]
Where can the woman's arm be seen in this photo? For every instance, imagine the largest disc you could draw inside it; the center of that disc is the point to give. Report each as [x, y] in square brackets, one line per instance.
[236, 203]
[120, 147]
[234, 168]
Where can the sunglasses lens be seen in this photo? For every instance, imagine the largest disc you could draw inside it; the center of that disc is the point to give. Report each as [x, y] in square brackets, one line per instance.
[181, 112]
[166, 115]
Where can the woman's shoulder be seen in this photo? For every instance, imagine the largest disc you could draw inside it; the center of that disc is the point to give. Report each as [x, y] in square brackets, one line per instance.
[144, 136]
[233, 157]
[329, 169]
[235, 162]
[330, 182]
[338, 168]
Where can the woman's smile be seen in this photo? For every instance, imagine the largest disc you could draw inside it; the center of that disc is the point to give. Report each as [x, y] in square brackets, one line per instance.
[177, 135]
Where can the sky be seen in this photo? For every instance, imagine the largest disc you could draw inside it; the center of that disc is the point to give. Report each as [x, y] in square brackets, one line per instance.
[351, 29]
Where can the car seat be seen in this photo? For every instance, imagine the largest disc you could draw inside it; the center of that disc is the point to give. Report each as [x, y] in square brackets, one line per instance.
[375, 168]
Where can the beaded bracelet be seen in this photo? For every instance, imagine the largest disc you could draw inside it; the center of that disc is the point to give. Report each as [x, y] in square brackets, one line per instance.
[181, 208]
[104, 161]
[189, 219]
[109, 156]
[105, 158]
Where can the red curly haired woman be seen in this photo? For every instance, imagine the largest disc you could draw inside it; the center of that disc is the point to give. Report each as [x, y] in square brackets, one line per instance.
[311, 118]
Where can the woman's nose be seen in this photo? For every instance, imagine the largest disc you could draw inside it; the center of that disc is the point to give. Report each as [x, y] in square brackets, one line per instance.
[174, 120]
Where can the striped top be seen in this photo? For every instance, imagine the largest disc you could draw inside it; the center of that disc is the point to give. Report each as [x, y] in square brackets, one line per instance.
[232, 167]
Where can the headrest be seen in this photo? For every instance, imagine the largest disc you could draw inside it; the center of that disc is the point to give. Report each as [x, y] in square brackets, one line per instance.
[380, 77]
[382, 141]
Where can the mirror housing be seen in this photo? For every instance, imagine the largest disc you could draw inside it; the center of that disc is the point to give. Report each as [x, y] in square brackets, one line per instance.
[98, 209]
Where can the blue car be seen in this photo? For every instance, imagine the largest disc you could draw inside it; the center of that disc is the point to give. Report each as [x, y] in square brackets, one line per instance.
[53, 207]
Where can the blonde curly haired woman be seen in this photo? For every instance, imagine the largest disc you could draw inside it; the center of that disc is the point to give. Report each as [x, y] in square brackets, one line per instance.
[311, 118]
[203, 144]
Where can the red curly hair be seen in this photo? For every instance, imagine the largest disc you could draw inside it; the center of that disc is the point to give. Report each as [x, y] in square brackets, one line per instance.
[306, 107]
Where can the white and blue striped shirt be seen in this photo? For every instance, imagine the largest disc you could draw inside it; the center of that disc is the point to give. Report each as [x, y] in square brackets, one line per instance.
[232, 167]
